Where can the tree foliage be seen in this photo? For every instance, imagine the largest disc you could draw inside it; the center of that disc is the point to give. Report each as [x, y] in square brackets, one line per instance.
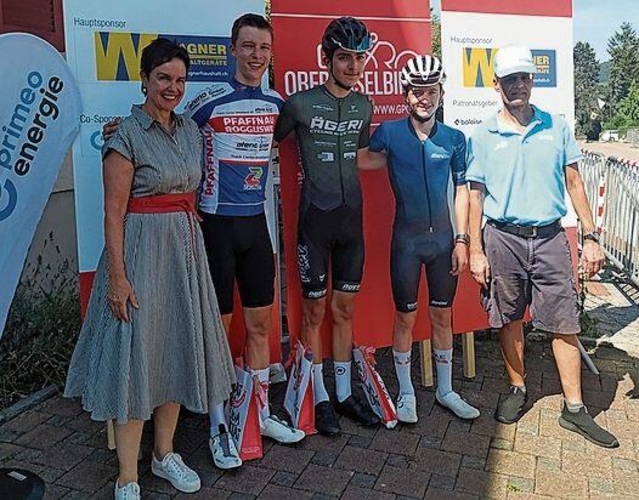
[436, 35]
[623, 48]
[628, 113]
[586, 83]
[620, 90]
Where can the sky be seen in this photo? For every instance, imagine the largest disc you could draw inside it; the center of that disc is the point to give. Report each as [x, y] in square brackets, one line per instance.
[595, 21]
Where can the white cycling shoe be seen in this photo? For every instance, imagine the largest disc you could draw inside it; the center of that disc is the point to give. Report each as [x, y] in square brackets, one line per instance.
[457, 405]
[407, 408]
[281, 431]
[223, 450]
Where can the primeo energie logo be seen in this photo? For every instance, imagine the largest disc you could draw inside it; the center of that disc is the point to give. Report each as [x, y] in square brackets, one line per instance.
[117, 55]
[477, 67]
[25, 130]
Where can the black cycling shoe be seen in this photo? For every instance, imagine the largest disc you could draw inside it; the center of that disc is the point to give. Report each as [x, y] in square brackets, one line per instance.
[356, 411]
[511, 406]
[582, 423]
[325, 420]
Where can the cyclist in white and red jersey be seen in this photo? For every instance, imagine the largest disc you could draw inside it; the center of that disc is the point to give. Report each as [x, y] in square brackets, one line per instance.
[237, 121]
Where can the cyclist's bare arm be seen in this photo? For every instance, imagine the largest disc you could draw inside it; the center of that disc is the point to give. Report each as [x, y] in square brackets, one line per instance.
[370, 160]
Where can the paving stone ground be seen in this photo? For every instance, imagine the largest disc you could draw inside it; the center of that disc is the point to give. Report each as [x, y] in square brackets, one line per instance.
[612, 302]
[441, 457]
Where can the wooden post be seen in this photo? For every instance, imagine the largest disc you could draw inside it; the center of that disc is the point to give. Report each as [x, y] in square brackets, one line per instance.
[426, 361]
[468, 348]
[110, 435]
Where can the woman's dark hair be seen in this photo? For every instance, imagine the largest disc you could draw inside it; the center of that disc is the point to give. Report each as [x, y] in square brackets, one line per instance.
[252, 21]
[160, 51]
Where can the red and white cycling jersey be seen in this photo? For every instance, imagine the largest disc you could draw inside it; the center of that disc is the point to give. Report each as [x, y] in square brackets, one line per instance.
[237, 123]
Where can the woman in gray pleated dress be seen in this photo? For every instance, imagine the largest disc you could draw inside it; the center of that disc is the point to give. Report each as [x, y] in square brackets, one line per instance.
[152, 339]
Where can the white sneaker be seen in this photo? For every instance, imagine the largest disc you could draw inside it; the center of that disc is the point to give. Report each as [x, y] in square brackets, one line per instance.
[281, 431]
[223, 450]
[130, 491]
[407, 408]
[457, 405]
[174, 470]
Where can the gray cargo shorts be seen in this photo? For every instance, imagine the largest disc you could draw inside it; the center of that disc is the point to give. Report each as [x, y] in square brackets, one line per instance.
[535, 271]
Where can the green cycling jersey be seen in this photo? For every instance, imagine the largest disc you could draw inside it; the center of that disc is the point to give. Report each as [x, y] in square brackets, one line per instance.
[329, 132]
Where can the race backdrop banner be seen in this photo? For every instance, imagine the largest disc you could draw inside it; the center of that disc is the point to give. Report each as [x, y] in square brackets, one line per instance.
[39, 117]
[400, 29]
[104, 42]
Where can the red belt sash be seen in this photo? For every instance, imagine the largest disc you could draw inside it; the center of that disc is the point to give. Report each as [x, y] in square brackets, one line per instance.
[167, 203]
[163, 204]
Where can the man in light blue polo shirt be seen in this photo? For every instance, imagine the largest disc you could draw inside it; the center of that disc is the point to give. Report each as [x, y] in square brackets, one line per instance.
[521, 162]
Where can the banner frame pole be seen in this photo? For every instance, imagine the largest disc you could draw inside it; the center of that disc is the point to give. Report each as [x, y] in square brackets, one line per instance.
[468, 354]
[426, 363]
[110, 435]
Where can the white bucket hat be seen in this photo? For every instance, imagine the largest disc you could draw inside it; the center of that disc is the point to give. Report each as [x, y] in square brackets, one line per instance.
[513, 59]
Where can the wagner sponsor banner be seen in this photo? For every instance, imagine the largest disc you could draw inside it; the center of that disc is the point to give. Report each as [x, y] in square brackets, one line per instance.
[477, 67]
[400, 29]
[39, 118]
[117, 55]
[472, 32]
[104, 42]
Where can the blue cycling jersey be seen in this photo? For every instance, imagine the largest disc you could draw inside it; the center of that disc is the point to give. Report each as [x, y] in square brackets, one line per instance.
[423, 174]
[236, 122]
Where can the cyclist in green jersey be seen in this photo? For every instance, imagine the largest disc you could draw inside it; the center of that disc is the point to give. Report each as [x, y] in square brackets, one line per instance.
[332, 123]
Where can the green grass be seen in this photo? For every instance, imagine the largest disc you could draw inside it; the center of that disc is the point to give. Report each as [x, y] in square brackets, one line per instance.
[41, 331]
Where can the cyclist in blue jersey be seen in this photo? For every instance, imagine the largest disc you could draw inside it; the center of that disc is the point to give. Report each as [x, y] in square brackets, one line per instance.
[236, 120]
[426, 164]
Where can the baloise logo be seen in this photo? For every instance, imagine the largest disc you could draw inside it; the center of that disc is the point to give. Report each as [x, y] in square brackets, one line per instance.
[467, 121]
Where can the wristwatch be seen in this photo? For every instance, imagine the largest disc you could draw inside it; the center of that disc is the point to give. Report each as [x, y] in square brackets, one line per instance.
[462, 238]
[592, 236]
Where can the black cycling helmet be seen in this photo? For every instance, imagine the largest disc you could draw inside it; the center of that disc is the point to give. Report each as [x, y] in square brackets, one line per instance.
[346, 33]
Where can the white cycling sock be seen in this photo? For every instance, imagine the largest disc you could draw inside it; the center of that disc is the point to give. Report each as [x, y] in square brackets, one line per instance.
[217, 417]
[444, 369]
[342, 379]
[263, 378]
[319, 389]
[402, 369]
